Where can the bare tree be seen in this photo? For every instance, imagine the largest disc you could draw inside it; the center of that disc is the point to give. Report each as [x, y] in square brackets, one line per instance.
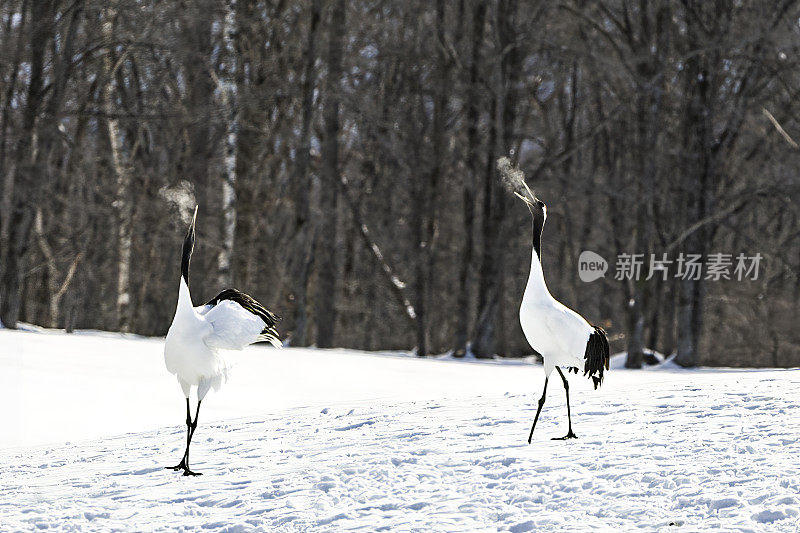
[325, 309]
[227, 87]
[302, 182]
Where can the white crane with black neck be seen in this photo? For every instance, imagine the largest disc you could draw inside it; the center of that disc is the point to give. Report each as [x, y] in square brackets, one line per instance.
[199, 337]
[563, 338]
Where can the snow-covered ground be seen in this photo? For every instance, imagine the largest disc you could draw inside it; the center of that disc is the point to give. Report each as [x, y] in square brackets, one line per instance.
[305, 440]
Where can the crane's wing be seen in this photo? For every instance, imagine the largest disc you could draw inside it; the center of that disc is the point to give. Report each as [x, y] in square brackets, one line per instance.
[569, 330]
[203, 309]
[237, 320]
[580, 341]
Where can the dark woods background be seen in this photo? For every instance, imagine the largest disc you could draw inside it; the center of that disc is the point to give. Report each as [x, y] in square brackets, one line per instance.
[343, 156]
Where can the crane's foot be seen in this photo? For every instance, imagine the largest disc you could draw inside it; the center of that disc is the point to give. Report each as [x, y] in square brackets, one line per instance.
[569, 435]
[182, 466]
[179, 466]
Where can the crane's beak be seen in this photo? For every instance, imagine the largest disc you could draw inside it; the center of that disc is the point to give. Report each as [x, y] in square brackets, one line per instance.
[524, 199]
[190, 231]
[527, 201]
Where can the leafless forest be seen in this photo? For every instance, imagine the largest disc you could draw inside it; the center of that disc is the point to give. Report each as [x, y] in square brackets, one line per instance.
[343, 158]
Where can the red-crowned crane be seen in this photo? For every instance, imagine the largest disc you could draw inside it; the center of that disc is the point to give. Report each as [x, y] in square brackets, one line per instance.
[199, 337]
[563, 338]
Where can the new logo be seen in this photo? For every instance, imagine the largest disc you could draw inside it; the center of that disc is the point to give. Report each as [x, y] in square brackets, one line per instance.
[591, 266]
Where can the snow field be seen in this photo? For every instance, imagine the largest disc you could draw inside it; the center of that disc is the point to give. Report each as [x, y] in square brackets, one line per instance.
[335, 440]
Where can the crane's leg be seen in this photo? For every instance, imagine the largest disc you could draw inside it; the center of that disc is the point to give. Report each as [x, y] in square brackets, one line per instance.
[190, 427]
[570, 434]
[182, 464]
[186, 470]
[539, 410]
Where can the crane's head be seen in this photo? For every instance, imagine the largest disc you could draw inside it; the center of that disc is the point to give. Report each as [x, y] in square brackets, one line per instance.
[537, 207]
[514, 180]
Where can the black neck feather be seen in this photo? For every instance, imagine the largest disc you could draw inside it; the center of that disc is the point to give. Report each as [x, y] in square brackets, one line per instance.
[188, 247]
[538, 225]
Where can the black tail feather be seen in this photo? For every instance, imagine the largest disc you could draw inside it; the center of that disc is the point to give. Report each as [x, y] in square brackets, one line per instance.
[597, 356]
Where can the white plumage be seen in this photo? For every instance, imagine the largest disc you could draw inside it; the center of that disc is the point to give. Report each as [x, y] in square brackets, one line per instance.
[554, 330]
[199, 337]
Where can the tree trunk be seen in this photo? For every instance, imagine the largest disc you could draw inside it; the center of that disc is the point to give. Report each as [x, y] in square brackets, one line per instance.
[425, 203]
[7, 192]
[697, 183]
[231, 109]
[325, 310]
[687, 354]
[473, 164]
[197, 40]
[123, 208]
[483, 342]
[488, 337]
[304, 247]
